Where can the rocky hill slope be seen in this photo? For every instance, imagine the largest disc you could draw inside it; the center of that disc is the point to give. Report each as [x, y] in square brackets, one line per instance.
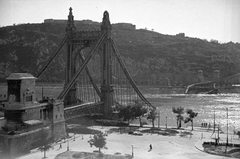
[148, 55]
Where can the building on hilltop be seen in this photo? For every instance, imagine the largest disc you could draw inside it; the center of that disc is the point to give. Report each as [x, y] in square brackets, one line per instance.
[76, 22]
[89, 22]
[124, 26]
[181, 35]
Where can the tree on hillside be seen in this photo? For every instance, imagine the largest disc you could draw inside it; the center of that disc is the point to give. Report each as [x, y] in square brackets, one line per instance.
[98, 140]
[152, 115]
[138, 111]
[45, 142]
[179, 111]
[191, 116]
[125, 113]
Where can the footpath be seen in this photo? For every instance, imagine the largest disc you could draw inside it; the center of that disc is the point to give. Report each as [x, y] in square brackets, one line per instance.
[164, 147]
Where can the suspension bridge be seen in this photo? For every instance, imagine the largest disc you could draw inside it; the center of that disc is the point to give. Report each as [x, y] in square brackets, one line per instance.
[96, 79]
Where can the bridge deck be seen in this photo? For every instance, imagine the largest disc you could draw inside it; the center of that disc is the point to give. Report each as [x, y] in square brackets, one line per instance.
[83, 110]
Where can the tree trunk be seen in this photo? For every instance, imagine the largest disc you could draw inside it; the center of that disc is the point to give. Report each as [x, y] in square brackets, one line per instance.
[177, 124]
[192, 125]
[153, 123]
[140, 121]
[180, 124]
[44, 152]
[99, 150]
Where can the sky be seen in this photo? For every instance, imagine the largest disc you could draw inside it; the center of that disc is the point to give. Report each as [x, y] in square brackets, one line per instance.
[204, 19]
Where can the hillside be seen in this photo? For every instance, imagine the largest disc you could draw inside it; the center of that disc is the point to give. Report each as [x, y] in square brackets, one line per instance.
[148, 55]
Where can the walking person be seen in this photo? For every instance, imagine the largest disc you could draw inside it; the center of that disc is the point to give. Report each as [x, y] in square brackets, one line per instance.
[60, 147]
[150, 147]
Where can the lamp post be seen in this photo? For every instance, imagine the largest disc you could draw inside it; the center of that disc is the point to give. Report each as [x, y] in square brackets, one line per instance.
[218, 132]
[166, 122]
[158, 119]
[214, 124]
[67, 144]
[227, 133]
[234, 132]
[132, 151]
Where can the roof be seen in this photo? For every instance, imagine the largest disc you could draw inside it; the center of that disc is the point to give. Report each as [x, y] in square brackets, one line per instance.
[20, 76]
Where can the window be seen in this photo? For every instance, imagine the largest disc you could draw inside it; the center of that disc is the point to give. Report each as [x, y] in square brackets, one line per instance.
[14, 90]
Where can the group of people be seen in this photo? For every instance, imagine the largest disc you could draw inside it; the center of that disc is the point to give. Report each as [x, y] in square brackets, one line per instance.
[205, 125]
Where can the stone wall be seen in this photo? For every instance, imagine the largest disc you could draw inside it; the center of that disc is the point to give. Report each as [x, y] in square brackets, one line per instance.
[15, 145]
[33, 113]
[59, 130]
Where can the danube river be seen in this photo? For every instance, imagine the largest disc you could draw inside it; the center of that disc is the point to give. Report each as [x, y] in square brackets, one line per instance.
[205, 105]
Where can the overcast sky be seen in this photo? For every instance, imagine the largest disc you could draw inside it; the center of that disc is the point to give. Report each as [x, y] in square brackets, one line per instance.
[204, 19]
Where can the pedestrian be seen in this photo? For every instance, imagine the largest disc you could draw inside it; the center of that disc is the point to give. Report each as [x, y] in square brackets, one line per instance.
[150, 147]
[60, 147]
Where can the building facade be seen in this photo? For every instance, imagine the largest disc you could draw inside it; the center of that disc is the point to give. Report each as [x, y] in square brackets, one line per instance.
[25, 118]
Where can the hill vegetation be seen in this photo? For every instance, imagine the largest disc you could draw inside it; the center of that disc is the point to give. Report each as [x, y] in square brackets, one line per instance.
[148, 55]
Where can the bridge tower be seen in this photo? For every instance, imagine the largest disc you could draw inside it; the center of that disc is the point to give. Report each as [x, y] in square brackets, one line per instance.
[71, 97]
[79, 40]
[106, 66]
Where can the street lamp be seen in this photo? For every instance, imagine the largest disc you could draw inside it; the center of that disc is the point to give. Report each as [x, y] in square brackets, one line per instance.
[214, 124]
[227, 133]
[132, 151]
[166, 122]
[158, 119]
[67, 144]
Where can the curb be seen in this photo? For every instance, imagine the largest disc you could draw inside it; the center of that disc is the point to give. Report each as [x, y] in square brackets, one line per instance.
[198, 147]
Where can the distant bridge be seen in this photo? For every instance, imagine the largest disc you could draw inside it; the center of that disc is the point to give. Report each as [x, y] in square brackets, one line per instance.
[211, 87]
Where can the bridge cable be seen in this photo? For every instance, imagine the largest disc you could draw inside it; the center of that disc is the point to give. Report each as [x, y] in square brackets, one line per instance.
[70, 84]
[88, 89]
[87, 72]
[53, 56]
[89, 75]
[128, 75]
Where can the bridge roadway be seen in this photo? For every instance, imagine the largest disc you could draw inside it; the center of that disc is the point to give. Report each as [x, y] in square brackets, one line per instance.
[83, 109]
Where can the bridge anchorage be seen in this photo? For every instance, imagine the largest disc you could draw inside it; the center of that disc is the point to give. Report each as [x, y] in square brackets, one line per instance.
[96, 80]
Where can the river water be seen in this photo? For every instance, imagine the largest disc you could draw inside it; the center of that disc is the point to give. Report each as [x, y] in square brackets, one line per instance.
[205, 105]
